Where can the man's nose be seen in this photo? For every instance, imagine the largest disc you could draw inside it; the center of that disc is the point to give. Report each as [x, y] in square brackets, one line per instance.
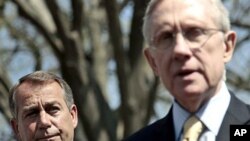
[181, 48]
[44, 120]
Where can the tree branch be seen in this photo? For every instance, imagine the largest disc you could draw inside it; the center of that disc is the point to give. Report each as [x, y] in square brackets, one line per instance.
[120, 58]
[123, 4]
[151, 99]
[60, 22]
[237, 81]
[21, 35]
[4, 93]
[107, 117]
[240, 24]
[25, 13]
[136, 37]
[78, 12]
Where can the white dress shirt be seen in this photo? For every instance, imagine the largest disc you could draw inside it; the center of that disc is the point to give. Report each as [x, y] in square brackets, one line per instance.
[211, 114]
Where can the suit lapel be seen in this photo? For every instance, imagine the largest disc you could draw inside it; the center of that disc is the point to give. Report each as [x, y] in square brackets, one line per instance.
[237, 113]
[166, 131]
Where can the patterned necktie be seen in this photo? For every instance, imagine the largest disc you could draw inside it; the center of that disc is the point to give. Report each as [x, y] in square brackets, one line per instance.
[192, 129]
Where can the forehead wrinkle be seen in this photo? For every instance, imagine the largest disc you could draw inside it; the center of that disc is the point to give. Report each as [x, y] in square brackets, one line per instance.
[191, 14]
[29, 107]
[40, 105]
[157, 15]
[51, 103]
[32, 95]
[173, 15]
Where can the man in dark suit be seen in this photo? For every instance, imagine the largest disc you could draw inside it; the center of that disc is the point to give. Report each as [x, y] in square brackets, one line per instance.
[190, 41]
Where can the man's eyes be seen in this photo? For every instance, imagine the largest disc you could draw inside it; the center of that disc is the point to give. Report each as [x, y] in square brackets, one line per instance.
[164, 37]
[167, 35]
[191, 32]
[194, 32]
[52, 110]
[49, 110]
[31, 113]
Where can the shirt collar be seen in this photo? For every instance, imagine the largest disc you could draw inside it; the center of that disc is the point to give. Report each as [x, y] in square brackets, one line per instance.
[214, 111]
[180, 115]
[217, 104]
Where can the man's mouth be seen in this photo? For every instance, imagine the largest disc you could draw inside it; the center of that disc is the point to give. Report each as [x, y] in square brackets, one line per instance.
[185, 73]
[47, 138]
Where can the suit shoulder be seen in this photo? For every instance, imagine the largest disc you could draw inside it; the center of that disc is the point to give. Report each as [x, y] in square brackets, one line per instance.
[238, 111]
[148, 133]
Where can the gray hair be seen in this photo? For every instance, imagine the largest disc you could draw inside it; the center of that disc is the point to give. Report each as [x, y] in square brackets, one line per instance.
[220, 13]
[40, 78]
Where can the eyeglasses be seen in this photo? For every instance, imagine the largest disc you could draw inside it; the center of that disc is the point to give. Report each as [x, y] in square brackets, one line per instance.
[194, 37]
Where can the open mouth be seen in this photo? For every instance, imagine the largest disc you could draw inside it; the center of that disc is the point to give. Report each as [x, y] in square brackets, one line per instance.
[185, 73]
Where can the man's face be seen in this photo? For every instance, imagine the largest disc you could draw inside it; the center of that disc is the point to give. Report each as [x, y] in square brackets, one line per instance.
[42, 114]
[191, 75]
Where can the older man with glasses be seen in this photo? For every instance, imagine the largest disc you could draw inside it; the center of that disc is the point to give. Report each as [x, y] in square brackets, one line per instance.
[190, 41]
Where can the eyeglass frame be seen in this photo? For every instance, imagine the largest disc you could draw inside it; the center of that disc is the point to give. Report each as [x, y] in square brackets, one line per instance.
[204, 31]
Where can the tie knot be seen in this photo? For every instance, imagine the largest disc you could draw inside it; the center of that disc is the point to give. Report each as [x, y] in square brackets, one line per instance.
[192, 129]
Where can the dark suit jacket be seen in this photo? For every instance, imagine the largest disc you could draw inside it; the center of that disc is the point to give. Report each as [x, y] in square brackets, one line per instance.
[163, 130]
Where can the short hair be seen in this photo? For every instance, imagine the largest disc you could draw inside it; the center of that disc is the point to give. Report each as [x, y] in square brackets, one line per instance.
[220, 13]
[40, 78]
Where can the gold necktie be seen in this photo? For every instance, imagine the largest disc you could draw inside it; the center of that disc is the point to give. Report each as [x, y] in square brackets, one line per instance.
[192, 129]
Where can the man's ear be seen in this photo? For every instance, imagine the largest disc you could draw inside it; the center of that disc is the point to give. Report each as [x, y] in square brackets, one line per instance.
[14, 126]
[149, 54]
[230, 42]
[74, 115]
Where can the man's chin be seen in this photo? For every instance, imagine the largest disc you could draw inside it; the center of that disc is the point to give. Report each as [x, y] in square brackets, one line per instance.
[189, 91]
